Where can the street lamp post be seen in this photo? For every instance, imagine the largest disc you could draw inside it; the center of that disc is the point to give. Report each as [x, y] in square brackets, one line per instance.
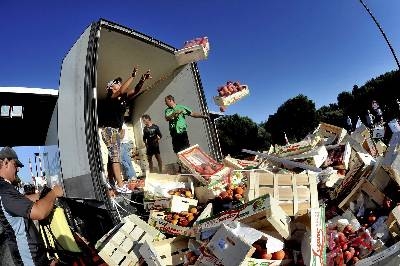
[382, 32]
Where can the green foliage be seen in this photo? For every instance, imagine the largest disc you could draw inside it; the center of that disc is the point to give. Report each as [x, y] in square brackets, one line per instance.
[236, 133]
[297, 117]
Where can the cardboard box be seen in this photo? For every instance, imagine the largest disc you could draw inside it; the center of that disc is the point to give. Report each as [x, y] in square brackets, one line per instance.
[391, 161]
[120, 246]
[181, 204]
[165, 252]
[313, 246]
[233, 244]
[229, 248]
[234, 97]
[331, 134]
[262, 213]
[194, 157]
[296, 193]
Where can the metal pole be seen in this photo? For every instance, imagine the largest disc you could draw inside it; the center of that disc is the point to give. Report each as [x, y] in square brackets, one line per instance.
[383, 33]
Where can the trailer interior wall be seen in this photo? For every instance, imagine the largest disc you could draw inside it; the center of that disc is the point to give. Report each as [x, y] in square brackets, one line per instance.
[119, 52]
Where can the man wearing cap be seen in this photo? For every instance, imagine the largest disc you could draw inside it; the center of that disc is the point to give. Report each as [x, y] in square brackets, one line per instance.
[17, 213]
[112, 118]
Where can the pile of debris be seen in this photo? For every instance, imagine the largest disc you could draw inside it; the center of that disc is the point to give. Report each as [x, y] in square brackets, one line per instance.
[330, 199]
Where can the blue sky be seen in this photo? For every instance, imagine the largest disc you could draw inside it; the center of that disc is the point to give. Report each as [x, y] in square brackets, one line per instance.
[279, 48]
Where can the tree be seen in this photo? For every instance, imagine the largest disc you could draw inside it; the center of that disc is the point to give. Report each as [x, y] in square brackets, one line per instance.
[296, 117]
[236, 133]
[332, 114]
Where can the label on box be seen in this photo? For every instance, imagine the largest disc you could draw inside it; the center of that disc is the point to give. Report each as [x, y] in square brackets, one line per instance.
[173, 229]
[207, 258]
[181, 204]
[158, 204]
[210, 225]
[318, 237]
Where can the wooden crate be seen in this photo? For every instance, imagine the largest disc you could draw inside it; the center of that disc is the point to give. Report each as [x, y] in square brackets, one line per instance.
[296, 148]
[165, 252]
[234, 97]
[191, 54]
[214, 188]
[360, 165]
[315, 157]
[379, 177]
[296, 193]
[193, 157]
[157, 186]
[391, 161]
[262, 213]
[239, 164]
[120, 246]
[381, 258]
[393, 222]
[157, 220]
[330, 133]
[363, 186]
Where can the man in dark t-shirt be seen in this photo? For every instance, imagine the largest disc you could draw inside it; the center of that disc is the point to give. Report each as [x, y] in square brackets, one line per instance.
[112, 118]
[17, 213]
[151, 136]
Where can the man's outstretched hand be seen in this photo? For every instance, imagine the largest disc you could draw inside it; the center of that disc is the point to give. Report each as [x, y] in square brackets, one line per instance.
[146, 75]
[134, 71]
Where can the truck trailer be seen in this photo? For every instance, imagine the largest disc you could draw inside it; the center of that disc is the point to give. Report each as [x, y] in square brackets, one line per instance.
[65, 121]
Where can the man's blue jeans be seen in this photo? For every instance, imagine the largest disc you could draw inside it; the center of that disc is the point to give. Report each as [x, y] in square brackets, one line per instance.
[126, 161]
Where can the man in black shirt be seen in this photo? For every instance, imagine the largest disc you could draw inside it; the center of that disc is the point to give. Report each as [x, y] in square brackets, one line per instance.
[17, 213]
[113, 117]
[151, 136]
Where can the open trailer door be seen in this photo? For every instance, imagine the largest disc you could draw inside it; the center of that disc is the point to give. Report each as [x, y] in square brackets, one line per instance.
[77, 125]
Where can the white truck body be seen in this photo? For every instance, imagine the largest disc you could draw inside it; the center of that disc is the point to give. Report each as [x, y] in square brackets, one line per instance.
[69, 128]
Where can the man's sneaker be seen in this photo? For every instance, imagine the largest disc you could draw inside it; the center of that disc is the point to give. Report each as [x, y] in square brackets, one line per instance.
[124, 189]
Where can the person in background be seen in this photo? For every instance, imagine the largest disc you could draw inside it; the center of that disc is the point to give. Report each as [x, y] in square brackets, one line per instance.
[175, 114]
[17, 213]
[126, 160]
[151, 137]
[118, 94]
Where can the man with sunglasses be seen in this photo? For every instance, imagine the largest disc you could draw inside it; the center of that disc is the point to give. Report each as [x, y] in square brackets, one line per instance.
[112, 118]
[17, 213]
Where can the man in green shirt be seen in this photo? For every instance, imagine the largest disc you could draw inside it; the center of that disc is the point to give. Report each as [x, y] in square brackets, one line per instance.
[175, 114]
